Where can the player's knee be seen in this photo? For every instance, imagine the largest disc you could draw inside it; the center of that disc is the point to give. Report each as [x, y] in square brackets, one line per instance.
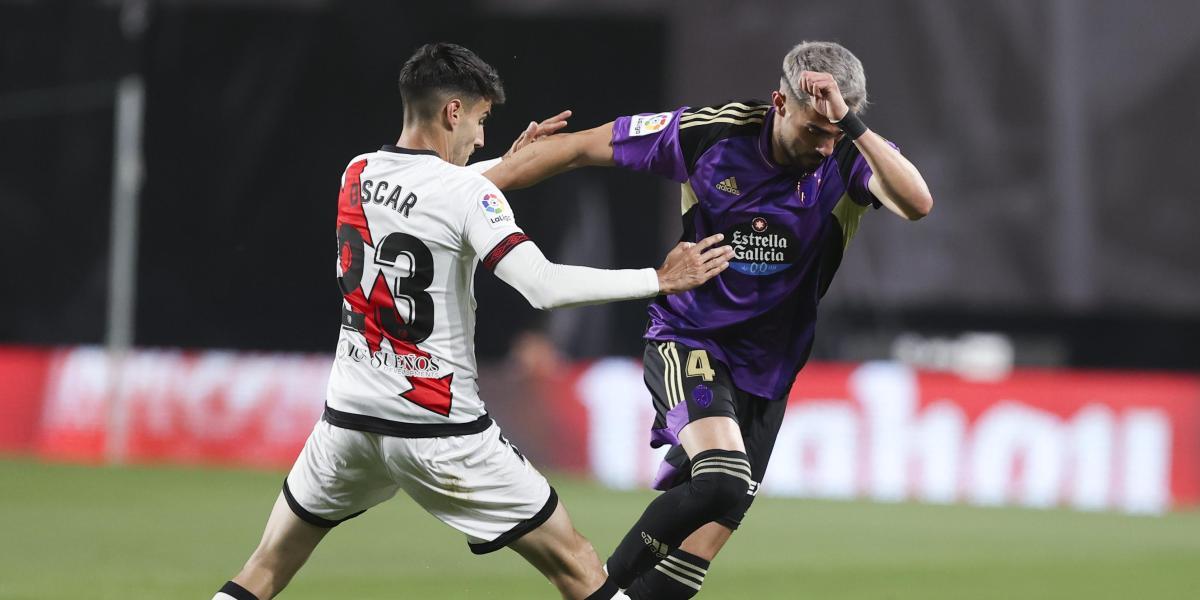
[584, 549]
[721, 478]
[720, 492]
[574, 575]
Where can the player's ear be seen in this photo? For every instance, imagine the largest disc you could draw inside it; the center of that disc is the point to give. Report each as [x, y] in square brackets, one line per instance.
[453, 112]
[780, 102]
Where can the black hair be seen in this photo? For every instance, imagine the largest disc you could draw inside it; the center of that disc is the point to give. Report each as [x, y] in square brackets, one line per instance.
[438, 70]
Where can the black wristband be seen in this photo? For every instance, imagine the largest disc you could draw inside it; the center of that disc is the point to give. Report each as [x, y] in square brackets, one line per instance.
[852, 125]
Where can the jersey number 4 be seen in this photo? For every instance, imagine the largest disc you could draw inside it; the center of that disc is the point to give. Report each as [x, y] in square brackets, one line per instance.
[698, 365]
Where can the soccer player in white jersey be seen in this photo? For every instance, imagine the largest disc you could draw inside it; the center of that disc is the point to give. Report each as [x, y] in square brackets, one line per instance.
[402, 409]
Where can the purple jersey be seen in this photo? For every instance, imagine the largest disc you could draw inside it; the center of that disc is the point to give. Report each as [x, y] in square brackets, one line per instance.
[787, 231]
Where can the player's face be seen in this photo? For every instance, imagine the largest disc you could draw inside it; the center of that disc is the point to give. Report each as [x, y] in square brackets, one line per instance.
[468, 135]
[805, 137]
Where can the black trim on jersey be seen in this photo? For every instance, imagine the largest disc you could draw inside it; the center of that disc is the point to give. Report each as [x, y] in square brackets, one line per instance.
[688, 235]
[694, 141]
[519, 529]
[387, 427]
[844, 154]
[500, 250]
[308, 517]
[398, 150]
[830, 248]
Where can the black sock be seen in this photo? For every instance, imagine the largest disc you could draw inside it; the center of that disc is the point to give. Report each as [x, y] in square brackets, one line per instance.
[677, 577]
[236, 591]
[719, 481]
[606, 591]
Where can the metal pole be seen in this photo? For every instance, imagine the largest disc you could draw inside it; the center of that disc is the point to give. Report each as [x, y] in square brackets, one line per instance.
[122, 269]
[1067, 111]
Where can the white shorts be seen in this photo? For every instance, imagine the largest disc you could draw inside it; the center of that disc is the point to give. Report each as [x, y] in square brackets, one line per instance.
[478, 484]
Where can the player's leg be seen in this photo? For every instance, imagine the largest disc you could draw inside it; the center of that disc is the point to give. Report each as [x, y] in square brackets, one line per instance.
[694, 399]
[705, 543]
[565, 558]
[286, 544]
[720, 474]
[498, 499]
[337, 476]
[680, 574]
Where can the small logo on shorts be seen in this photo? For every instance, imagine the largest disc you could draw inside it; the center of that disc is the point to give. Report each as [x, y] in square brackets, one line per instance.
[702, 395]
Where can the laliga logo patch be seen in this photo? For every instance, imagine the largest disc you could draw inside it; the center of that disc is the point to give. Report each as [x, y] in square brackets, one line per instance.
[647, 124]
[492, 204]
[496, 214]
[757, 252]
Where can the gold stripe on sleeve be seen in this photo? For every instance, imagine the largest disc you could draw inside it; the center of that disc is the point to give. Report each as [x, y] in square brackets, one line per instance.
[730, 120]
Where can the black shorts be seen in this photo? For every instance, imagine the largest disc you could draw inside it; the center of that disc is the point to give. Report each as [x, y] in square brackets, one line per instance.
[687, 384]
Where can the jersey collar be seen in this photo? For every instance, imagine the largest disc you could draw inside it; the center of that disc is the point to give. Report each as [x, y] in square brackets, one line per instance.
[399, 150]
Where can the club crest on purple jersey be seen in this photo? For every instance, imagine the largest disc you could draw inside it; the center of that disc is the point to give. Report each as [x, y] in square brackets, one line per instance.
[702, 395]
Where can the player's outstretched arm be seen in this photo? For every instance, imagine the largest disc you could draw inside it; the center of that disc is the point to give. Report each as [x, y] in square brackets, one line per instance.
[548, 285]
[689, 265]
[536, 131]
[533, 132]
[553, 155]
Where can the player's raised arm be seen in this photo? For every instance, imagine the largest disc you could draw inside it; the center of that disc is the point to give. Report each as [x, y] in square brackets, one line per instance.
[553, 155]
[548, 285]
[894, 180]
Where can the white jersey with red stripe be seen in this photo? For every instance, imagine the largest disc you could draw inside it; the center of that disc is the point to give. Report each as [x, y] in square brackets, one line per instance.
[411, 230]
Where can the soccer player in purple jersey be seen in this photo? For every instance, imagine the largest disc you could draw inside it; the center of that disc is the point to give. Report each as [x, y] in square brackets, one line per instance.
[786, 182]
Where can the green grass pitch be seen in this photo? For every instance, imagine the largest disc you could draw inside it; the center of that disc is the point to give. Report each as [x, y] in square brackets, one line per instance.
[165, 533]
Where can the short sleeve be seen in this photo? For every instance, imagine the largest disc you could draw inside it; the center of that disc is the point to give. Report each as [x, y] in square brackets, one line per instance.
[491, 228]
[650, 143]
[857, 187]
[856, 172]
[483, 166]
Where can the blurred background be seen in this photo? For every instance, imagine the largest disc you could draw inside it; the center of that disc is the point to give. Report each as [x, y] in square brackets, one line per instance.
[1057, 136]
[169, 169]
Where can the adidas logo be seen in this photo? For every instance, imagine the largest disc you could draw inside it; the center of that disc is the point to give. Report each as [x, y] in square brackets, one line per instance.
[729, 186]
[660, 549]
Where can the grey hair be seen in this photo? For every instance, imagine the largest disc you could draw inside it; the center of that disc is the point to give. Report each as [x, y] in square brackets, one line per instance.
[827, 57]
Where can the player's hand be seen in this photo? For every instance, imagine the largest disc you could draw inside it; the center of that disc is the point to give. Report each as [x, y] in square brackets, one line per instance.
[824, 94]
[536, 131]
[689, 265]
